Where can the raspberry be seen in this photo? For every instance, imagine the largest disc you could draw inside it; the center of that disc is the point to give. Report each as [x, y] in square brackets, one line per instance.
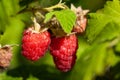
[81, 20]
[63, 50]
[5, 56]
[35, 44]
[80, 25]
[65, 65]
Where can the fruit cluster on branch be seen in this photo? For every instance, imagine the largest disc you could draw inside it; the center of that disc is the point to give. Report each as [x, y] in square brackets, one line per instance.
[49, 35]
[49, 32]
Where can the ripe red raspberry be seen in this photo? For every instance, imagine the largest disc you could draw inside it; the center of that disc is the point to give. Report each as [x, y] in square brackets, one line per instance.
[35, 44]
[65, 65]
[63, 50]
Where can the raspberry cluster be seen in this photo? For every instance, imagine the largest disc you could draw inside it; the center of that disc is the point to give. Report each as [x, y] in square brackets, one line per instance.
[63, 47]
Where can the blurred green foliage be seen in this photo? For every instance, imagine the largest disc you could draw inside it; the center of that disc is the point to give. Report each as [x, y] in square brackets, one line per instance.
[98, 54]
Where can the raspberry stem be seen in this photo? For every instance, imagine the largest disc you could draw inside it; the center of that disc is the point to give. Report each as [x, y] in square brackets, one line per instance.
[59, 5]
[47, 9]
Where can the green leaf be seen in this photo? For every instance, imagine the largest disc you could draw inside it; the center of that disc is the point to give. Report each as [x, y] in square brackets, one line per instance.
[48, 16]
[10, 7]
[111, 31]
[7, 10]
[106, 19]
[3, 18]
[13, 32]
[66, 18]
[96, 24]
[112, 9]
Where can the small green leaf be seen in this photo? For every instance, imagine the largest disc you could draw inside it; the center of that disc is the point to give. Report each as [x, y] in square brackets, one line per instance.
[67, 19]
[48, 16]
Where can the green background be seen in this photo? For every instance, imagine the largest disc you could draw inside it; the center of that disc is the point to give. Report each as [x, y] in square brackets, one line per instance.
[96, 58]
